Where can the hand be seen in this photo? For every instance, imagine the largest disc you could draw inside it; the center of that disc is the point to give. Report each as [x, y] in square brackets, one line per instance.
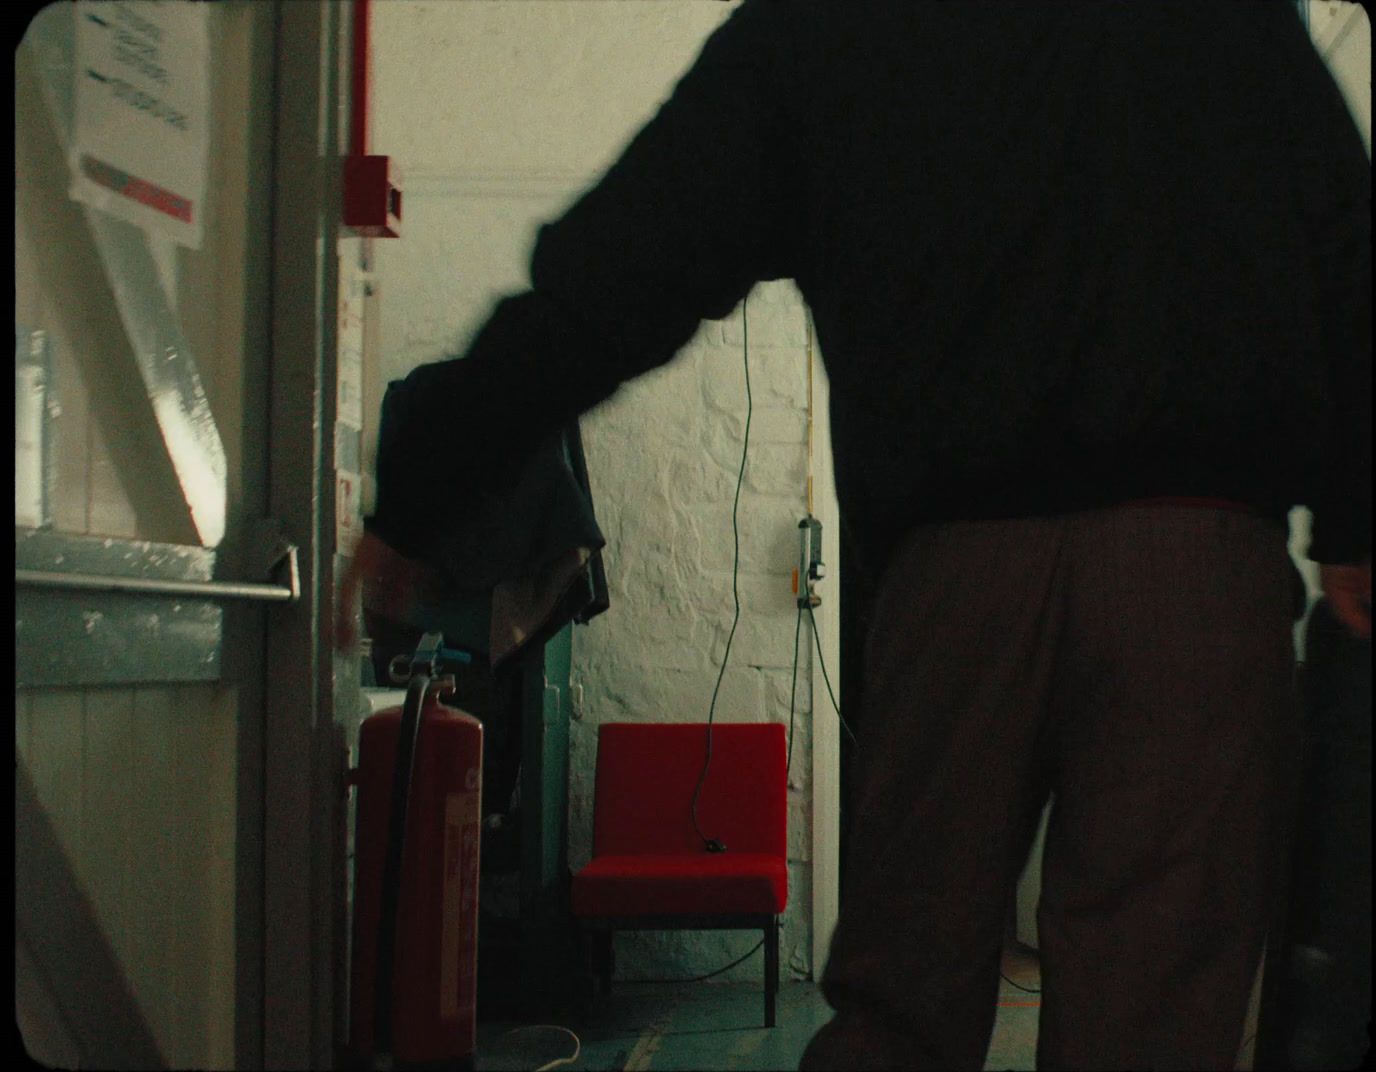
[1348, 590]
[390, 584]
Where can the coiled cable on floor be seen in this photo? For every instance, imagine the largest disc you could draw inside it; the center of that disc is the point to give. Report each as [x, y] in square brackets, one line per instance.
[577, 1043]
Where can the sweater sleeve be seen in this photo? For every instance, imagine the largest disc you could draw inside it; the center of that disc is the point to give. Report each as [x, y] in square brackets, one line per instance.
[1335, 198]
[683, 224]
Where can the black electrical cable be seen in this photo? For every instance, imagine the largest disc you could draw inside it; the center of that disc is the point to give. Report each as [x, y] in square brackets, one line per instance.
[699, 978]
[823, 663]
[712, 844]
[793, 691]
[1024, 989]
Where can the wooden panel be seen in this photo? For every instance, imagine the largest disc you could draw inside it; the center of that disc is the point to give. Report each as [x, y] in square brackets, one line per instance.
[134, 782]
[46, 1038]
[109, 512]
[54, 761]
[56, 922]
[186, 904]
[142, 783]
[201, 900]
[150, 867]
[108, 783]
[140, 786]
[218, 790]
[23, 723]
[181, 859]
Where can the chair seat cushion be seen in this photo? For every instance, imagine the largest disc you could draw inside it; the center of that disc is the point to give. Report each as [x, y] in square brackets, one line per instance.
[682, 883]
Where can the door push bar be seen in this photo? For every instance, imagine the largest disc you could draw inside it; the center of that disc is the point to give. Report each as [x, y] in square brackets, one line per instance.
[90, 582]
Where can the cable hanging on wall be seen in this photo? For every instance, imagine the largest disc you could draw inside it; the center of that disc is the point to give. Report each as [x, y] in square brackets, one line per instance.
[810, 573]
[713, 844]
[806, 576]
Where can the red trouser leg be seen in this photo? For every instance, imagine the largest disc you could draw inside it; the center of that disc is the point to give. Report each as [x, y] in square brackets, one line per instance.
[1102, 654]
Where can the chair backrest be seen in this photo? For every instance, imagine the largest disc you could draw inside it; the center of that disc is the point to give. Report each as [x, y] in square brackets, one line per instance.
[646, 774]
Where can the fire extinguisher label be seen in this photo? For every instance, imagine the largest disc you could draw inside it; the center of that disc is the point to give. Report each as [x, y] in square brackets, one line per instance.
[458, 937]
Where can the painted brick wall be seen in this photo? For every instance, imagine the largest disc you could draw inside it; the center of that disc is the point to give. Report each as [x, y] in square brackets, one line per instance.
[664, 455]
[499, 114]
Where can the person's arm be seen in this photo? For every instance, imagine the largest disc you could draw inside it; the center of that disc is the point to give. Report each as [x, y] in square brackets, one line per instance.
[1333, 190]
[696, 210]
[1335, 197]
[1348, 591]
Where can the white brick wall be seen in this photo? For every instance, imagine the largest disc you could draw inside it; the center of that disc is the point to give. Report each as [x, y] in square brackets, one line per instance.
[499, 114]
[664, 457]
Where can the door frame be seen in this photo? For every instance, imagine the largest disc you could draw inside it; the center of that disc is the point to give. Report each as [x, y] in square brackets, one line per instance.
[304, 761]
[826, 727]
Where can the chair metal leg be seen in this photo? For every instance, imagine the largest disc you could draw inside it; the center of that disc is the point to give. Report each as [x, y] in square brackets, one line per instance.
[771, 969]
[602, 955]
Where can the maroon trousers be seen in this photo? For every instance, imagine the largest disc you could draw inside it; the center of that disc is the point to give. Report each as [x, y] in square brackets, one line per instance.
[1138, 663]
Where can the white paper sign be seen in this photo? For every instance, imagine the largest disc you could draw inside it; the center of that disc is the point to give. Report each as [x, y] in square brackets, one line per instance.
[352, 290]
[139, 150]
[347, 527]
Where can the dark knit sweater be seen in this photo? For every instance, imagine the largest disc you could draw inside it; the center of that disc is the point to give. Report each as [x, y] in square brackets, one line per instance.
[1059, 255]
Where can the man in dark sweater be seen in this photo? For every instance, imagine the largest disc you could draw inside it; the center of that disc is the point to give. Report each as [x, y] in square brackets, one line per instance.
[1093, 285]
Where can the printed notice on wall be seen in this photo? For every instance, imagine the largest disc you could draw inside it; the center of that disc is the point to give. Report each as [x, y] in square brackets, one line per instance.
[352, 290]
[139, 148]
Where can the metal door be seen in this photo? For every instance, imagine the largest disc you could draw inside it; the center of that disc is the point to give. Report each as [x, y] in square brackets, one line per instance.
[178, 845]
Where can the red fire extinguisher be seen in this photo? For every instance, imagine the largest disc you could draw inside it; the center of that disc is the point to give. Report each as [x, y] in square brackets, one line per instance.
[415, 929]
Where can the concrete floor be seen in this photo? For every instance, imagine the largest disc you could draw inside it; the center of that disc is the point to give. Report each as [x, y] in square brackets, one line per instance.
[719, 1026]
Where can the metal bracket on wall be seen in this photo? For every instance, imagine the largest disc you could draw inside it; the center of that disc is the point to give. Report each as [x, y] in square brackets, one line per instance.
[274, 555]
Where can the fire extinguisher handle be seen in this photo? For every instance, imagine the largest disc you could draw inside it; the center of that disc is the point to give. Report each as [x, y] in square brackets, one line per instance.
[430, 657]
[444, 687]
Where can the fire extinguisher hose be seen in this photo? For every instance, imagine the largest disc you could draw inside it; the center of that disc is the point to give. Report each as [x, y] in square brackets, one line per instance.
[407, 741]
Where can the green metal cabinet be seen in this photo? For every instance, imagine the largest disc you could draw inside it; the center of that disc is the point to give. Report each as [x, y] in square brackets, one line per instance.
[547, 951]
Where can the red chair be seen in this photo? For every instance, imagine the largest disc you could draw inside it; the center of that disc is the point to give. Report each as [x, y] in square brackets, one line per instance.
[649, 870]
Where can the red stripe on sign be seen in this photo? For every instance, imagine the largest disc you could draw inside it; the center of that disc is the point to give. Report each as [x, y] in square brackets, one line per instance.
[145, 193]
[155, 197]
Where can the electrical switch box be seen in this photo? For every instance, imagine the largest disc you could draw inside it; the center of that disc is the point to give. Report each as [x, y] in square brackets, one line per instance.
[810, 566]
